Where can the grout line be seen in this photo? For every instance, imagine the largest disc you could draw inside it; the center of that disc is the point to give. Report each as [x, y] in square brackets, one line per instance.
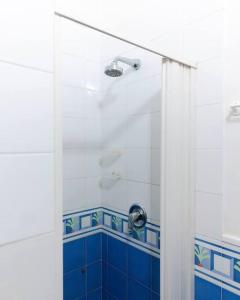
[25, 153]
[48, 233]
[208, 193]
[207, 149]
[26, 66]
[208, 104]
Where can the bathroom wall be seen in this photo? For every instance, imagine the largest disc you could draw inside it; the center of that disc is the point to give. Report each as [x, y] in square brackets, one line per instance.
[131, 132]
[28, 258]
[195, 31]
[111, 126]
[80, 96]
[111, 160]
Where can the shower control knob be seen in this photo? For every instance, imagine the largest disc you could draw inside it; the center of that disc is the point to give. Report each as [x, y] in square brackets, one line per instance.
[137, 216]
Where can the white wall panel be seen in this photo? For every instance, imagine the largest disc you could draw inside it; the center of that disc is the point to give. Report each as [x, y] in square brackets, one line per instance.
[27, 193]
[26, 29]
[26, 123]
[28, 269]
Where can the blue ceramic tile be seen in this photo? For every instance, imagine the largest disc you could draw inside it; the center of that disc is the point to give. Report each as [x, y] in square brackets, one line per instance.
[74, 285]
[226, 295]
[205, 290]
[107, 296]
[117, 254]
[137, 291]
[156, 274]
[94, 276]
[116, 283]
[95, 295]
[155, 296]
[104, 275]
[73, 255]
[139, 266]
[104, 247]
[94, 248]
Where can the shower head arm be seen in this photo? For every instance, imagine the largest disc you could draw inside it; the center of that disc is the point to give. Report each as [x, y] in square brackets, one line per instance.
[134, 63]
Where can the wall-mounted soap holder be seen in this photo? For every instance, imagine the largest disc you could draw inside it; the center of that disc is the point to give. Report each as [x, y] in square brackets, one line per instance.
[235, 109]
[111, 180]
[108, 158]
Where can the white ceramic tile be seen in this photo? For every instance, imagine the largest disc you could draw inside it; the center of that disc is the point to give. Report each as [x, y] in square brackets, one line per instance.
[113, 103]
[208, 212]
[151, 237]
[209, 171]
[222, 265]
[92, 104]
[19, 262]
[139, 131]
[93, 74]
[114, 195]
[209, 81]
[114, 133]
[80, 72]
[26, 28]
[155, 130]
[144, 96]
[203, 39]
[93, 133]
[113, 161]
[92, 163]
[107, 220]
[73, 101]
[209, 125]
[93, 192]
[155, 166]
[195, 11]
[138, 163]
[26, 123]
[27, 185]
[74, 133]
[74, 163]
[73, 71]
[74, 195]
[155, 203]
[81, 41]
[85, 222]
[125, 227]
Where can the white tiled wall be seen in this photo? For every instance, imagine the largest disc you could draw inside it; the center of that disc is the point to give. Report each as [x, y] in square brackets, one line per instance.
[28, 269]
[231, 125]
[190, 30]
[111, 128]
[27, 206]
[80, 98]
[203, 40]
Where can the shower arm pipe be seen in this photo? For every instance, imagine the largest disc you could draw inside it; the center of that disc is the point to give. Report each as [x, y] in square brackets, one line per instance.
[180, 61]
[135, 63]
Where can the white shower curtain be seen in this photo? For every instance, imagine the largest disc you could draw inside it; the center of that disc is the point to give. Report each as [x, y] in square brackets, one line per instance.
[177, 183]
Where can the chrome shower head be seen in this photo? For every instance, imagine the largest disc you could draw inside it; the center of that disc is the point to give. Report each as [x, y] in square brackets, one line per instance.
[113, 70]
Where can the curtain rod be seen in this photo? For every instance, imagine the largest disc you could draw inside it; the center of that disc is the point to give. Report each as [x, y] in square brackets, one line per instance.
[124, 40]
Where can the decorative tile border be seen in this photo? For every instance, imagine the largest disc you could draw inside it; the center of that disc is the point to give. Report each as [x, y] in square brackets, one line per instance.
[77, 223]
[217, 262]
